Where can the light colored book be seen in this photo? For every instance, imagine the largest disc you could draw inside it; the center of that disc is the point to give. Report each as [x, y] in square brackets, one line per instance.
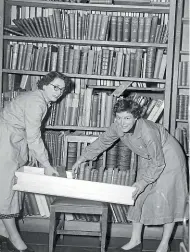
[87, 107]
[159, 111]
[163, 66]
[103, 108]
[109, 110]
[158, 62]
[156, 111]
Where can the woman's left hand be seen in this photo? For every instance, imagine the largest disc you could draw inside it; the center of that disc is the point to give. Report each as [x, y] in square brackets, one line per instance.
[140, 187]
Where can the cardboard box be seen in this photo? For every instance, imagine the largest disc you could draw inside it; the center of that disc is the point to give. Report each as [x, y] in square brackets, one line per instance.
[33, 180]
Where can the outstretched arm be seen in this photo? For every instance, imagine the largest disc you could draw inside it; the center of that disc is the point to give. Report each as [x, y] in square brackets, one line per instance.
[103, 142]
[34, 112]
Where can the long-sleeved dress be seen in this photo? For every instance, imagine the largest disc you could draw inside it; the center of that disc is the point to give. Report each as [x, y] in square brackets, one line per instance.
[161, 165]
[20, 123]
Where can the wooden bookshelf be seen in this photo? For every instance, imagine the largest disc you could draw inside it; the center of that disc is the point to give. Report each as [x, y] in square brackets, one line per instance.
[180, 71]
[85, 76]
[1, 46]
[150, 7]
[75, 128]
[84, 42]
[165, 92]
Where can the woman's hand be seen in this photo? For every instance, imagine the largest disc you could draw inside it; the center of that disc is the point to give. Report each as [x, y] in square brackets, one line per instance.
[32, 160]
[50, 171]
[140, 187]
[76, 166]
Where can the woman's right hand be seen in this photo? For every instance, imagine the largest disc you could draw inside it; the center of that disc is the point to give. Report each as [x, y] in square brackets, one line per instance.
[76, 166]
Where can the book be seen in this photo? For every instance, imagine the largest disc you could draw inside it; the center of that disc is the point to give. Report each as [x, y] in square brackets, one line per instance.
[153, 29]
[141, 29]
[156, 111]
[113, 28]
[127, 29]
[104, 27]
[159, 55]
[150, 62]
[134, 29]
[147, 28]
[68, 108]
[119, 28]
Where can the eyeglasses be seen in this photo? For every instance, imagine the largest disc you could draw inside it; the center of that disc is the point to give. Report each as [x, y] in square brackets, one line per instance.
[56, 88]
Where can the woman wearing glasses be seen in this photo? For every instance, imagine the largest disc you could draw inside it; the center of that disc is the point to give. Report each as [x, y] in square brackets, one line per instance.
[161, 185]
[20, 123]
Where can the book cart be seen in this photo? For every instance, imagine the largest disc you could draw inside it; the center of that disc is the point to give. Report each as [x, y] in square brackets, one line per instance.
[100, 46]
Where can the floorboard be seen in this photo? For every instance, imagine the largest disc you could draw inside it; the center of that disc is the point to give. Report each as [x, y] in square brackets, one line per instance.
[39, 242]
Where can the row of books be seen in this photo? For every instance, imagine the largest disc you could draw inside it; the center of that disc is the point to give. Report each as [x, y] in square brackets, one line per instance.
[54, 142]
[84, 109]
[6, 97]
[95, 109]
[117, 155]
[21, 12]
[182, 109]
[83, 25]
[14, 84]
[145, 63]
[184, 69]
[182, 135]
[36, 204]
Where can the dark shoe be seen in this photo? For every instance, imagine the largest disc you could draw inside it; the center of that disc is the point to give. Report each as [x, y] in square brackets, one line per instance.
[137, 248]
[12, 248]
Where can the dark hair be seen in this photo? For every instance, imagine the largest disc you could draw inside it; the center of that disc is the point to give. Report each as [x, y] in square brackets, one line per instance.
[128, 105]
[48, 78]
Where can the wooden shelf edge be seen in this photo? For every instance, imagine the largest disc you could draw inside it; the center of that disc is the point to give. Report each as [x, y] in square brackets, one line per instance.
[181, 120]
[129, 88]
[151, 8]
[184, 87]
[83, 42]
[85, 76]
[185, 20]
[64, 127]
[185, 52]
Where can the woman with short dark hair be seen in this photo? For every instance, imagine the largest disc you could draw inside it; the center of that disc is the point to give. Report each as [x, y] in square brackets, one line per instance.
[20, 123]
[161, 183]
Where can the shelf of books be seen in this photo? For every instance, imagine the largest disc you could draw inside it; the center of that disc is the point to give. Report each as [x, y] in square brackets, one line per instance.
[95, 44]
[180, 92]
[100, 46]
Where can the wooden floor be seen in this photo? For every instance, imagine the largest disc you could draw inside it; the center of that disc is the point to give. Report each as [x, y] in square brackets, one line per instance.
[39, 242]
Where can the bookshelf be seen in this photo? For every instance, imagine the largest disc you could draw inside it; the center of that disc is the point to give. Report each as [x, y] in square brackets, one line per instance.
[180, 90]
[150, 85]
[150, 8]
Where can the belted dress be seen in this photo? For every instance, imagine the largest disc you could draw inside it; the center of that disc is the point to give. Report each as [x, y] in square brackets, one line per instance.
[20, 129]
[161, 166]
